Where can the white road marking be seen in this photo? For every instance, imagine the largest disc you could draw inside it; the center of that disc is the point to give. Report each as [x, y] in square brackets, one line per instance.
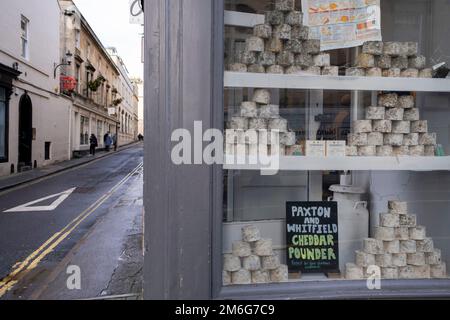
[29, 207]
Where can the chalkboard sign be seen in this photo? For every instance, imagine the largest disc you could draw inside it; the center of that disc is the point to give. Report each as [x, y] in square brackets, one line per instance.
[312, 237]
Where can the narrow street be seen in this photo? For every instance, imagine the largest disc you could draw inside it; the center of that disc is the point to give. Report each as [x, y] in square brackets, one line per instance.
[92, 224]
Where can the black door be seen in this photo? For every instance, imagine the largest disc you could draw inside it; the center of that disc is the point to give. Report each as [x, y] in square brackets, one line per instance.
[25, 133]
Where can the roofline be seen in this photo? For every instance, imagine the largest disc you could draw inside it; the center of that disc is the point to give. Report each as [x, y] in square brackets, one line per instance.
[86, 24]
[125, 69]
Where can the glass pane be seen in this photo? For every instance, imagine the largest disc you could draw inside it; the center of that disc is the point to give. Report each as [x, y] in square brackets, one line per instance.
[363, 180]
[24, 48]
[24, 29]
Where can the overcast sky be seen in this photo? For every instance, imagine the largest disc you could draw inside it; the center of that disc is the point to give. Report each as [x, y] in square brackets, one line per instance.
[110, 21]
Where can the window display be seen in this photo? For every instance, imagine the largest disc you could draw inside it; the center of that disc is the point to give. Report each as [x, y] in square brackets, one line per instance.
[393, 128]
[253, 261]
[401, 249]
[361, 135]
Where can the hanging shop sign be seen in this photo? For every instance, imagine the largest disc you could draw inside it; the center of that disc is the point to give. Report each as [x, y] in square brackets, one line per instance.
[343, 23]
[68, 83]
[312, 237]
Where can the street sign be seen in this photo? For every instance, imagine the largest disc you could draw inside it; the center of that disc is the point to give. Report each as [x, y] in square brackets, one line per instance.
[136, 12]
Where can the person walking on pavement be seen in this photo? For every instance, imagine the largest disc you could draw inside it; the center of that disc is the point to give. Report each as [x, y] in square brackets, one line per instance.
[93, 143]
[114, 139]
[108, 141]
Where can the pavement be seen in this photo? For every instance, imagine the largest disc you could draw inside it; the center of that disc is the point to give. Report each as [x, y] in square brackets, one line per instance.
[85, 242]
[18, 179]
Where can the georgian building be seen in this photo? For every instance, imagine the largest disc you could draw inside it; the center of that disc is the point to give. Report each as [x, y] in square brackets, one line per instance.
[33, 114]
[58, 85]
[127, 109]
[91, 80]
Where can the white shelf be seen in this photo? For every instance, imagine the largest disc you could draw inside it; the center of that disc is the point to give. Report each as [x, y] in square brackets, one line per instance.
[242, 19]
[298, 163]
[312, 82]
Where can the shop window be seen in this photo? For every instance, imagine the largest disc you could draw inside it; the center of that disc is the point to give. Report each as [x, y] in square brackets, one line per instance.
[47, 150]
[3, 125]
[24, 37]
[84, 131]
[359, 136]
[99, 129]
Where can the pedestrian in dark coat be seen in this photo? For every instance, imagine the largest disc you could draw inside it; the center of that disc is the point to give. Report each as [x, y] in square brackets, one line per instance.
[93, 143]
[108, 141]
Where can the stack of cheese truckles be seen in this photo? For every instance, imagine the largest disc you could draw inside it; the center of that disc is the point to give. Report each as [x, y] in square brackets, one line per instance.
[253, 261]
[400, 248]
[393, 128]
[252, 127]
[390, 59]
[282, 45]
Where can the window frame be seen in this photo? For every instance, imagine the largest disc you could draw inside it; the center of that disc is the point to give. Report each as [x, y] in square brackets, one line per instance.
[47, 156]
[25, 37]
[78, 39]
[78, 77]
[85, 121]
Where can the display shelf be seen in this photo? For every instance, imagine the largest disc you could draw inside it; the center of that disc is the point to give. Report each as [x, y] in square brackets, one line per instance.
[312, 82]
[298, 163]
[242, 19]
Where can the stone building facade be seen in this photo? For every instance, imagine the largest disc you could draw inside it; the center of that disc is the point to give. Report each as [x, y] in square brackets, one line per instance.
[140, 85]
[95, 79]
[58, 85]
[127, 110]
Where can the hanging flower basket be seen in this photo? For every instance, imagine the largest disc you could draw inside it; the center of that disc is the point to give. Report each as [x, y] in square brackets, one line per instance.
[94, 85]
[116, 102]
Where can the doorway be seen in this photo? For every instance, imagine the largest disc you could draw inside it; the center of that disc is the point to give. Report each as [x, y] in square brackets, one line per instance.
[25, 133]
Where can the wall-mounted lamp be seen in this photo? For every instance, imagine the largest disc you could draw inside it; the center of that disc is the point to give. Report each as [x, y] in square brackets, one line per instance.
[137, 8]
[66, 62]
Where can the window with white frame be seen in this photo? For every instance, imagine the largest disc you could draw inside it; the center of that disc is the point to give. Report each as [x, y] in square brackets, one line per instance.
[84, 130]
[24, 37]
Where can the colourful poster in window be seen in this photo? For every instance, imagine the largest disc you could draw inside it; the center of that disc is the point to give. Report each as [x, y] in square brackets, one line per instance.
[343, 23]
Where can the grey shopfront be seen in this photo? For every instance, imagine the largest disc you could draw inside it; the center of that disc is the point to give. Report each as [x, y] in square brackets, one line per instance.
[186, 217]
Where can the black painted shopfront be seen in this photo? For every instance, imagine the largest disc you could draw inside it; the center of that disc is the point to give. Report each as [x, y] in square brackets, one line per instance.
[7, 76]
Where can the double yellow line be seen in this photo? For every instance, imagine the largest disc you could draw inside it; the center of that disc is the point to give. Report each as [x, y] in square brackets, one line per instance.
[32, 261]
